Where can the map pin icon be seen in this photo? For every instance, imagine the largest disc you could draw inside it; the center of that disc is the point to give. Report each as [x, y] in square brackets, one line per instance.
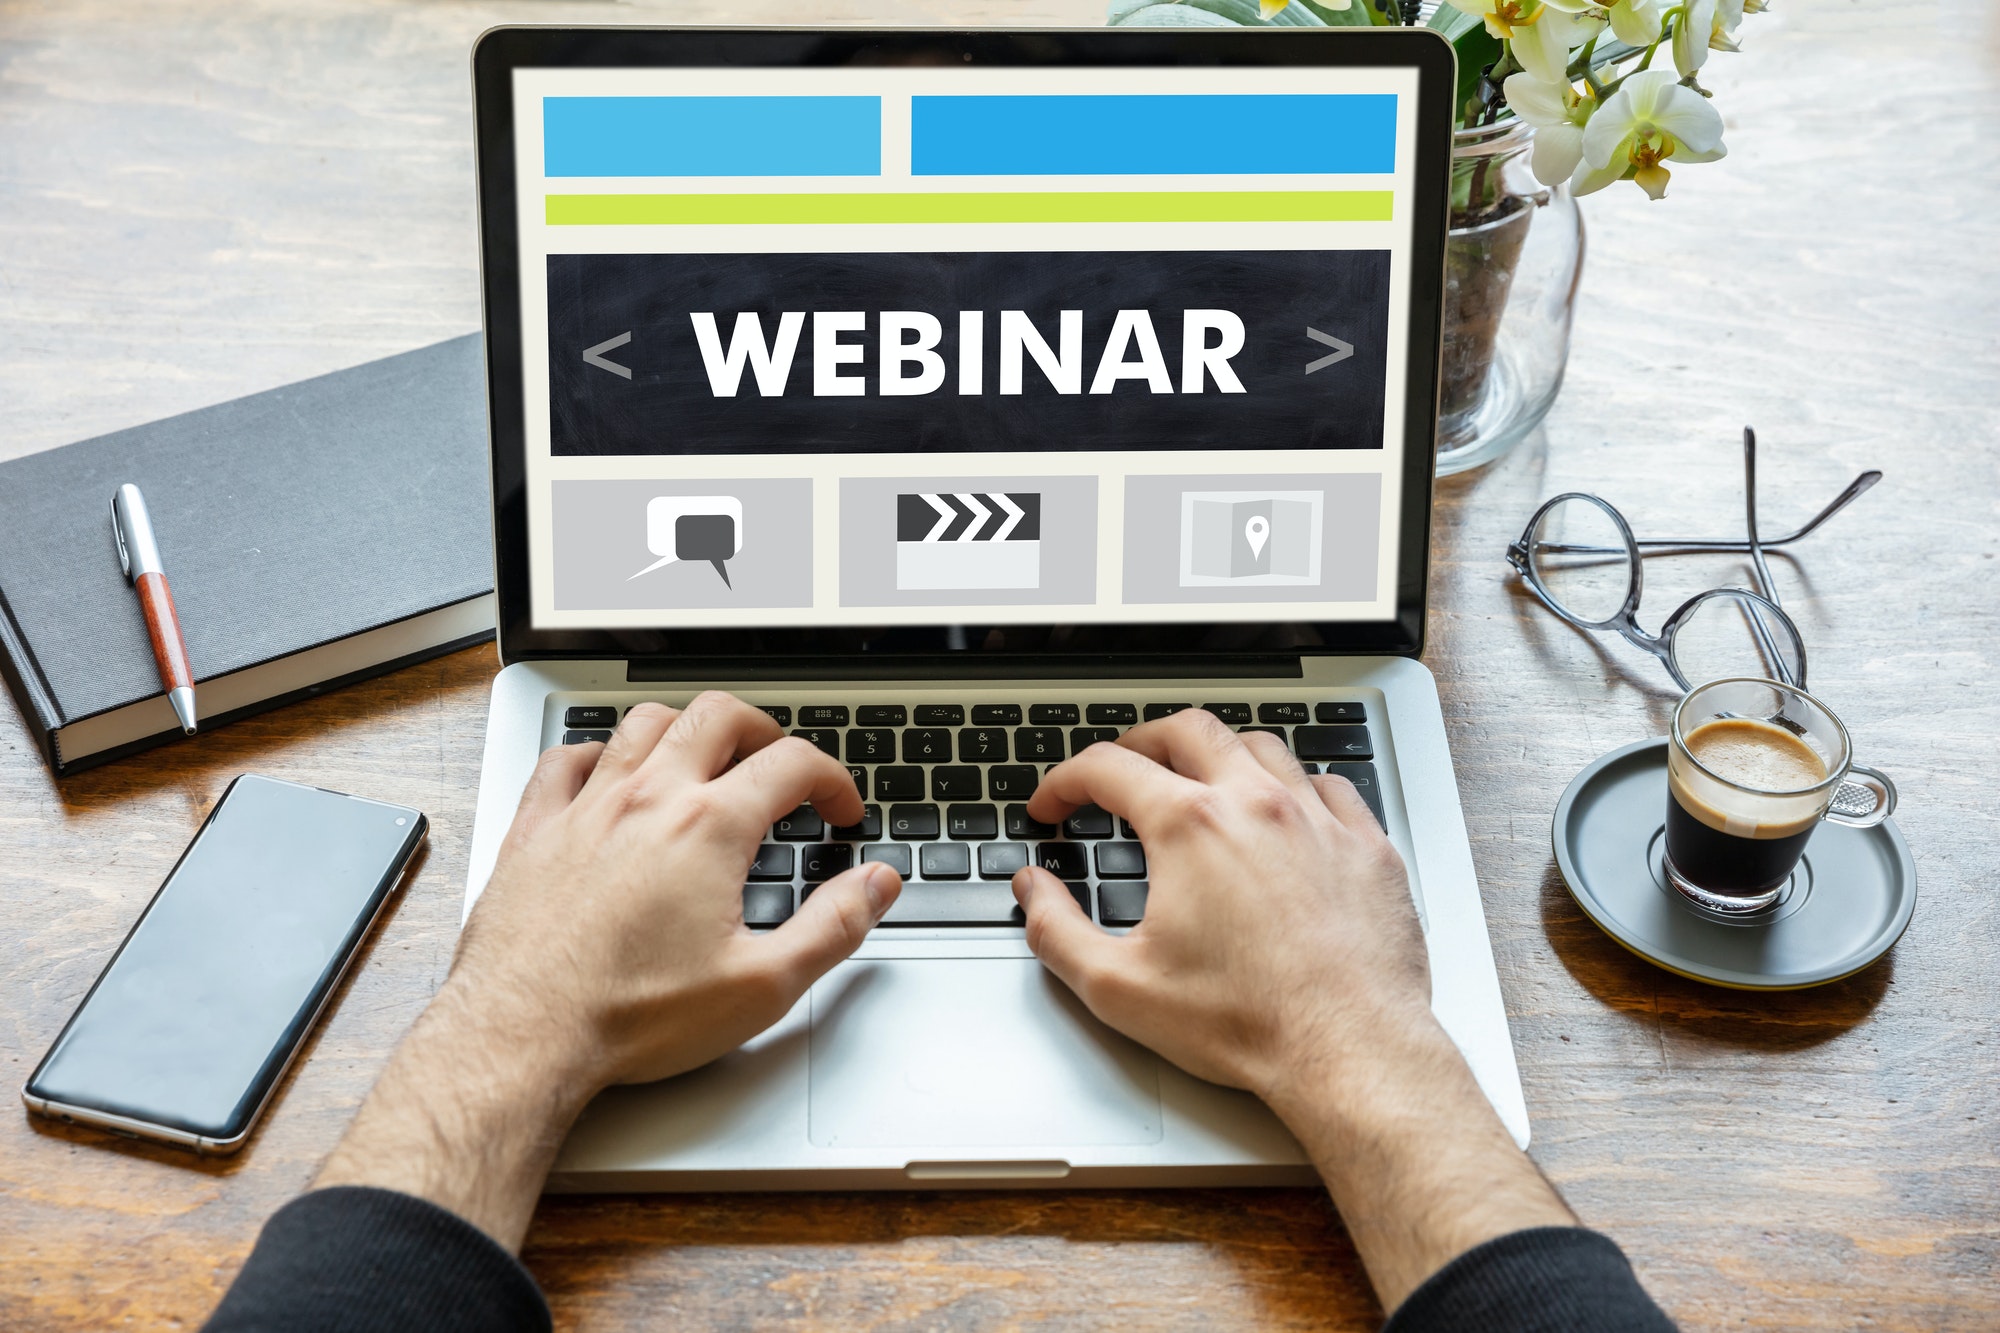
[1257, 531]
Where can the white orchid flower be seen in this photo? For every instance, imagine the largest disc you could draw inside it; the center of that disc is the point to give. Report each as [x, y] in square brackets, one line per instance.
[1558, 112]
[1722, 34]
[1503, 17]
[1542, 48]
[1636, 22]
[1647, 121]
[1692, 31]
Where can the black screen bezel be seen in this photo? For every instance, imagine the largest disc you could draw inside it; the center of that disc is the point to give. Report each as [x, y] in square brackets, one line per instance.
[502, 50]
[243, 1117]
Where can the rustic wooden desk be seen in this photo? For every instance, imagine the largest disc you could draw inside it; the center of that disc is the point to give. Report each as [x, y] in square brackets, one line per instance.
[209, 198]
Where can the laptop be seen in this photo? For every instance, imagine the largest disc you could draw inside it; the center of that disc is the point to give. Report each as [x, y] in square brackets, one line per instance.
[962, 399]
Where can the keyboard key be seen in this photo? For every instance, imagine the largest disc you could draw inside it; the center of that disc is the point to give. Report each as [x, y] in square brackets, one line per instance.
[894, 855]
[971, 821]
[940, 715]
[927, 745]
[1122, 902]
[986, 745]
[1156, 711]
[780, 713]
[1234, 714]
[956, 783]
[1110, 715]
[860, 776]
[1012, 781]
[1082, 738]
[945, 860]
[1022, 827]
[954, 904]
[869, 829]
[1340, 712]
[999, 860]
[899, 784]
[1366, 783]
[1064, 860]
[1279, 732]
[1054, 715]
[774, 861]
[584, 737]
[603, 716]
[802, 825]
[1080, 892]
[881, 715]
[829, 741]
[909, 823]
[823, 860]
[996, 715]
[1042, 744]
[1310, 768]
[871, 745]
[766, 905]
[1125, 827]
[1121, 860]
[1283, 713]
[1088, 821]
[823, 715]
[1332, 743]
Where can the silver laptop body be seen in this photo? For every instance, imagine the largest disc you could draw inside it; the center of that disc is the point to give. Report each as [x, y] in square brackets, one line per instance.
[942, 1054]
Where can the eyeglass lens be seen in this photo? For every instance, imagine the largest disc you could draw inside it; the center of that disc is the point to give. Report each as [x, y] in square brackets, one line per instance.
[1580, 560]
[1715, 638]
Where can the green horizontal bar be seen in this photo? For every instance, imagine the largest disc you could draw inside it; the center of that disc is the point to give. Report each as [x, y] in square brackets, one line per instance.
[669, 210]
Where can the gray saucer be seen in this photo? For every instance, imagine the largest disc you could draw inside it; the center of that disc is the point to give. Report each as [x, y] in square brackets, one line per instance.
[1848, 901]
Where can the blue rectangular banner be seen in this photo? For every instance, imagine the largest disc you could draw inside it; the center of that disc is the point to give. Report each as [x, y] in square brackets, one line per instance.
[712, 136]
[1220, 134]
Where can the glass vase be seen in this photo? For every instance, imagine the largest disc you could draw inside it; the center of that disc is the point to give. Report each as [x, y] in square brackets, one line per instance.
[1512, 261]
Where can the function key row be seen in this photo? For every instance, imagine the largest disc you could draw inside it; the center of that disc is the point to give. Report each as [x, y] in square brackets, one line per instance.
[603, 717]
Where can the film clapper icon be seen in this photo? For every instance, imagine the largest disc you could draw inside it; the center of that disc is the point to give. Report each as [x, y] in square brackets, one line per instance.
[968, 541]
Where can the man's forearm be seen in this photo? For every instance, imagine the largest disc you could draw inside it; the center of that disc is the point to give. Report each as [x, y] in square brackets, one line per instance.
[469, 1114]
[1419, 1165]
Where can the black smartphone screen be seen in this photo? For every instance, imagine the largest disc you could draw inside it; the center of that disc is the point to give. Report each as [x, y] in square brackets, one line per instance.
[202, 1007]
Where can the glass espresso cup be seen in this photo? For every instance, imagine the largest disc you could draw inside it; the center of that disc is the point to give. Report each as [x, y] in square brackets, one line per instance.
[1752, 768]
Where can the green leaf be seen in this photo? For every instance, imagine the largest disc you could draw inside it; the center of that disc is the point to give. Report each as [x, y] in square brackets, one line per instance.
[1358, 14]
[1208, 14]
[1149, 14]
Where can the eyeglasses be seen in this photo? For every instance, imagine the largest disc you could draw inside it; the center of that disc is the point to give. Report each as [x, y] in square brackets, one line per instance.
[1578, 555]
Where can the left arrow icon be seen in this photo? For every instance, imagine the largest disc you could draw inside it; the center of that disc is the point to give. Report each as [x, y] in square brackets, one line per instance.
[594, 356]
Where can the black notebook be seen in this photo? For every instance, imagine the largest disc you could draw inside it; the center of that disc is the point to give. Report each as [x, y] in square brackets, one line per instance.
[313, 535]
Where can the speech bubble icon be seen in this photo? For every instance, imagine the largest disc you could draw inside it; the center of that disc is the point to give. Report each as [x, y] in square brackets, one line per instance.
[694, 527]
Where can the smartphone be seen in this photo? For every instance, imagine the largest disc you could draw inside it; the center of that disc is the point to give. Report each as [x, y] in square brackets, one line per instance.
[194, 1021]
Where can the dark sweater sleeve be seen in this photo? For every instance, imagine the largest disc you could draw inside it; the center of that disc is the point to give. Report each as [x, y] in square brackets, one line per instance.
[357, 1260]
[1542, 1280]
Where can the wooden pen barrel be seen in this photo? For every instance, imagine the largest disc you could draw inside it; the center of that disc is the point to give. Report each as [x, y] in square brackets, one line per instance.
[163, 627]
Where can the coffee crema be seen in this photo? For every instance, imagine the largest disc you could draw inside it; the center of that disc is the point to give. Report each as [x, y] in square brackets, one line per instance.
[1757, 755]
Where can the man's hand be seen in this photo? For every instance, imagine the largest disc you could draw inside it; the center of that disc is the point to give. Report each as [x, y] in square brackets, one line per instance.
[608, 947]
[1280, 953]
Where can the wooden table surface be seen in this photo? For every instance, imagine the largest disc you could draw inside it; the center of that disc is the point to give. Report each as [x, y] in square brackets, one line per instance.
[204, 199]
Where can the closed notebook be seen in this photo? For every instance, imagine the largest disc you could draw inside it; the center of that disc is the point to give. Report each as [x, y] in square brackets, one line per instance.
[313, 535]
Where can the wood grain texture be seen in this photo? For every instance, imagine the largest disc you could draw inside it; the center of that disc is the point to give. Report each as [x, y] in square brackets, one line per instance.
[163, 630]
[211, 198]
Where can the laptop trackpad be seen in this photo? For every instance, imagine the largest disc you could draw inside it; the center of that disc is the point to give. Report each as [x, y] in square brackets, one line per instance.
[970, 1052]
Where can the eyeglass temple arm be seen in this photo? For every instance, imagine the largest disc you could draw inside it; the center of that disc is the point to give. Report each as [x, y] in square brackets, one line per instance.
[1765, 584]
[1854, 491]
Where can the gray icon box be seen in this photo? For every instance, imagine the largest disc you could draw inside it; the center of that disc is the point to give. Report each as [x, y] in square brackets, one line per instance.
[656, 545]
[1057, 567]
[1189, 538]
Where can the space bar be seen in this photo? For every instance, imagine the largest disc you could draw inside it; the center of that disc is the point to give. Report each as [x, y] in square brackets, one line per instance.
[955, 905]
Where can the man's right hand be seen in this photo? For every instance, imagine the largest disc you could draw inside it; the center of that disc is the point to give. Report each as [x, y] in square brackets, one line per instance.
[1280, 953]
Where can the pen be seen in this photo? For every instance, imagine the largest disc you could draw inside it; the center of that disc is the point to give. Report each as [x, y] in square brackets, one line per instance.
[140, 555]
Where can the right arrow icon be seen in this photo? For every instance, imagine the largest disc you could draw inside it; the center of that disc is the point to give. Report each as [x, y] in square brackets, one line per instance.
[1341, 350]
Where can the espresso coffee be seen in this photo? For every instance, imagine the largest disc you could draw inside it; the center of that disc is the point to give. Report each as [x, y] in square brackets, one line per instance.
[1726, 841]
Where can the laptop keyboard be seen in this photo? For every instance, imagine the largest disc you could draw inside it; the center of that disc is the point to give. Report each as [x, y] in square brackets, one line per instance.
[945, 788]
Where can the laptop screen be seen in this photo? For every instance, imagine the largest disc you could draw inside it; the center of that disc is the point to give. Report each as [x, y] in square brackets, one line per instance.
[906, 345]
